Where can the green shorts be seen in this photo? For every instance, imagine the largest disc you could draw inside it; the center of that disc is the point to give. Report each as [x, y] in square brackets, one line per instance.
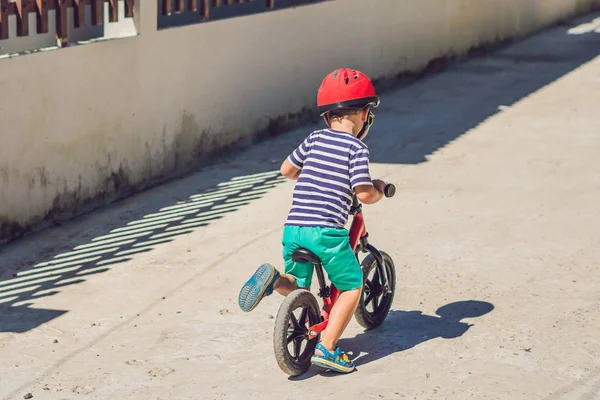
[332, 246]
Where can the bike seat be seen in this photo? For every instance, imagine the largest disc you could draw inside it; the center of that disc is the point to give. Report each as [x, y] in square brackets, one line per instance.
[304, 255]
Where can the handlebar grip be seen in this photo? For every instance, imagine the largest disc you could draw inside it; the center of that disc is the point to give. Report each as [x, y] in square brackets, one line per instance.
[390, 190]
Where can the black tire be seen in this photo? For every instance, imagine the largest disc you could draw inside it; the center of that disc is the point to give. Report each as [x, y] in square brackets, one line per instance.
[291, 331]
[374, 304]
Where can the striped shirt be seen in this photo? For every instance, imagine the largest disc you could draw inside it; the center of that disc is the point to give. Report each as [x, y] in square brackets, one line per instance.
[332, 164]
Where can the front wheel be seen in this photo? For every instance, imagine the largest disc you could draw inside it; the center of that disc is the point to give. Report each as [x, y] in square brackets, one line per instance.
[293, 350]
[375, 301]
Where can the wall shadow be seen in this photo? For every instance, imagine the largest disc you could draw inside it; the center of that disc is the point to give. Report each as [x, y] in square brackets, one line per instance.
[428, 114]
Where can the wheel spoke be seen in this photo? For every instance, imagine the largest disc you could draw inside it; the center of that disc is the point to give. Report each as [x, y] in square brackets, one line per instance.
[375, 303]
[303, 316]
[369, 298]
[291, 338]
[297, 346]
[376, 280]
[294, 321]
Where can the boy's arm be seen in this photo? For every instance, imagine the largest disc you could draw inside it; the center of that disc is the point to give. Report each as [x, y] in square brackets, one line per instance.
[289, 171]
[370, 194]
[292, 166]
[368, 191]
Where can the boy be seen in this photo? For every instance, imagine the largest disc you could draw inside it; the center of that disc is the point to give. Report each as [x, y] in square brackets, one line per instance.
[328, 166]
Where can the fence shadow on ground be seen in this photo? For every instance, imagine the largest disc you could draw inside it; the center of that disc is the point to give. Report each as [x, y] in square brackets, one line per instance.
[120, 245]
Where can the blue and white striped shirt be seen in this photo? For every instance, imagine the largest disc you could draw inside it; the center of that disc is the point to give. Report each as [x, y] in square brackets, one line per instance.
[332, 164]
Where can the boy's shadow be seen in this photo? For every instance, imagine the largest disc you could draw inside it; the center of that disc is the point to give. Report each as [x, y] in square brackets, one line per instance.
[403, 330]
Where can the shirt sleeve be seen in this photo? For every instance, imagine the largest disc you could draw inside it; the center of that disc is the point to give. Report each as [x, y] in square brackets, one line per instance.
[299, 155]
[359, 168]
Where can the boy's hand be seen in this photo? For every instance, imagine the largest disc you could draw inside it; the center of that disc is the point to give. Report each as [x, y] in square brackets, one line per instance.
[379, 185]
[368, 194]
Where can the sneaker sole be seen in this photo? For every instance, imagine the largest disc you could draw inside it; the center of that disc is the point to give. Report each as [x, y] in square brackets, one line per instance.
[252, 292]
[330, 365]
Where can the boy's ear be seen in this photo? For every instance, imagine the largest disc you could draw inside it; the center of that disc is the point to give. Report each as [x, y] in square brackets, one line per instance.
[326, 120]
[365, 114]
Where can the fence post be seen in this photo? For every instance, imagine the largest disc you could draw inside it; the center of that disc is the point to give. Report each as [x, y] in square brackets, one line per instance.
[62, 26]
[129, 8]
[79, 14]
[113, 11]
[97, 11]
[204, 9]
[22, 17]
[42, 16]
[3, 19]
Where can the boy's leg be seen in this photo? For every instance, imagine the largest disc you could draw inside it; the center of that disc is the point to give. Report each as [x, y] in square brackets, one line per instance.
[285, 285]
[340, 316]
[267, 278]
[262, 283]
[296, 275]
[344, 271]
[259, 286]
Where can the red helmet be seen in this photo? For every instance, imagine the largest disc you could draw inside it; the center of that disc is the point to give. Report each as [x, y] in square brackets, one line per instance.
[346, 88]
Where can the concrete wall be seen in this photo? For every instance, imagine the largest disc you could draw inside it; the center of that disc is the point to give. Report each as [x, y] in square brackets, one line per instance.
[81, 126]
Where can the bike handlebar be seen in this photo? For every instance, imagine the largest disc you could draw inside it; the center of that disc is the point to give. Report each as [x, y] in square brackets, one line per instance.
[390, 190]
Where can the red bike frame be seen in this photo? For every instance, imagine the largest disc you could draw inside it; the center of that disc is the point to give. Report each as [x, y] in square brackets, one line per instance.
[357, 231]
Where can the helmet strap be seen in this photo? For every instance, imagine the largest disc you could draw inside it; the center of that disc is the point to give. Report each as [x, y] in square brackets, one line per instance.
[363, 131]
[366, 126]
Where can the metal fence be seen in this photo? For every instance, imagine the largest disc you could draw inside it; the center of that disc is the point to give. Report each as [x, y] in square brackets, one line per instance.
[22, 8]
[173, 13]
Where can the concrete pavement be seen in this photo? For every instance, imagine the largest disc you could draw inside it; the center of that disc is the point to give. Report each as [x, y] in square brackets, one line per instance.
[494, 232]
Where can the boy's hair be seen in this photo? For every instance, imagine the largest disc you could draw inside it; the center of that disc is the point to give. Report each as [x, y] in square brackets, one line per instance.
[343, 112]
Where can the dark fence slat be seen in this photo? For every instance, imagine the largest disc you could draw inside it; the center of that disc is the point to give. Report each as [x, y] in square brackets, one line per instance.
[167, 8]
[41, 8]
[22, 17]
[3, 19]
[62, 26]
[180, 6]
[129, 8]
[97, 12]
[204, 9]
[113, 11]
[79, 14]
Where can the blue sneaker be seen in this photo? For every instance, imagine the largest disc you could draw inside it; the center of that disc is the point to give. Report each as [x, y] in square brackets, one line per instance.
[258, 286]
[337, 361]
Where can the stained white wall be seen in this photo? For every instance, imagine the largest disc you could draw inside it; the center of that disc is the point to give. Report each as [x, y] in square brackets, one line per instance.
[85, 124]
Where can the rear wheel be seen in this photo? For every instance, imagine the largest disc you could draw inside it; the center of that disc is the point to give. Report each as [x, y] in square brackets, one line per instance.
[375, 302]
[293, 350]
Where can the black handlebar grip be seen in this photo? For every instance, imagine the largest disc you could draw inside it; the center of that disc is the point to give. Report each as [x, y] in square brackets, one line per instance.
[390, 190]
